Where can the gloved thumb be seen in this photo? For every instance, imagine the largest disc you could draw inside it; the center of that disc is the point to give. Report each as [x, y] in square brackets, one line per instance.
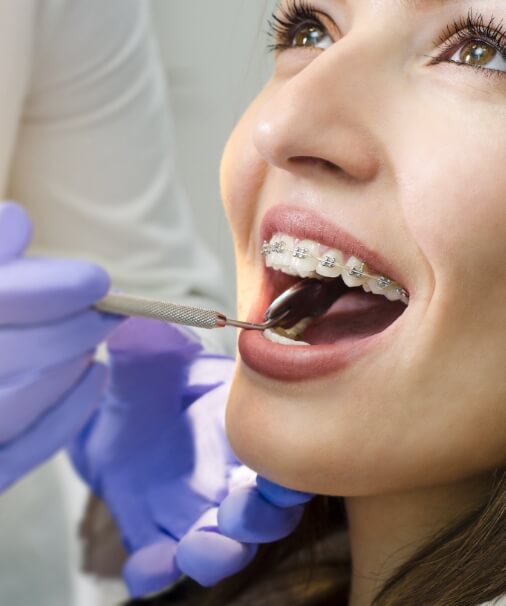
[15, 231]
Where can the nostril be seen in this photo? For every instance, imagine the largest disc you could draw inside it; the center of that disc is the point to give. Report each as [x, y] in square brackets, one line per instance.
[312, 162]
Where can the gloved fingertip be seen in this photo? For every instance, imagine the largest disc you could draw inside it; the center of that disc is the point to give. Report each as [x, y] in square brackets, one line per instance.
[279, 495]
[93, 278]
[208, 557]
[15, 231]
[246, 516]
[151, 569]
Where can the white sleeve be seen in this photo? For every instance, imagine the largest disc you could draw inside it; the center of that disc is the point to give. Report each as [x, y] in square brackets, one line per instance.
[94, 159]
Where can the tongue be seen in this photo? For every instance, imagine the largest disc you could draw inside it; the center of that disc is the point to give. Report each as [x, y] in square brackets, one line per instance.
[356, 314]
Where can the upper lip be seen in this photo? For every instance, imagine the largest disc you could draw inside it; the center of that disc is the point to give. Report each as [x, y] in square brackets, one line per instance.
[307, 224]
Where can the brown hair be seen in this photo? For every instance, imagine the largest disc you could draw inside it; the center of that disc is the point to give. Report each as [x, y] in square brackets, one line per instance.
[463, 565]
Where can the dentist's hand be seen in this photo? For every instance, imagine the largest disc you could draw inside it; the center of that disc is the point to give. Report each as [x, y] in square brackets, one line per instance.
[252, 513]
[157, 454]
[49, 383]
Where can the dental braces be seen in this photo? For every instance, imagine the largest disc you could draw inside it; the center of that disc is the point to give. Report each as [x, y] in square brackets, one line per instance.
[358, 271]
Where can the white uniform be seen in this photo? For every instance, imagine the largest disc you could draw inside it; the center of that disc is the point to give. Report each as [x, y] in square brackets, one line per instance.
[87, 147]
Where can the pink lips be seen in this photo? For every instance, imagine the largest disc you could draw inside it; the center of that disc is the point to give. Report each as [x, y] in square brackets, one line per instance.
[299, 363]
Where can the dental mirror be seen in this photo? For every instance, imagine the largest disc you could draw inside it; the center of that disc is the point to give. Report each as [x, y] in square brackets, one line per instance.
[308, 298]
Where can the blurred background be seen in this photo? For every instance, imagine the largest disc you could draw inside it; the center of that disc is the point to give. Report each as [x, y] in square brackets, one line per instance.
[216, 61]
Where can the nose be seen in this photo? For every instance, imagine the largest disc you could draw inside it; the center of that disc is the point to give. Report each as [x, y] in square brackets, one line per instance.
[322, 116]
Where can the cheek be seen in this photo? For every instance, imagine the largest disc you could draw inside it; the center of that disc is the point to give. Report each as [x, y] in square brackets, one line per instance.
[455, 196]
[454, 204]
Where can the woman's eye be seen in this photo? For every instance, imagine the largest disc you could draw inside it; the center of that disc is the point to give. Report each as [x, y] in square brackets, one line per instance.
[311, 36]
[301, 25]
[480, 54]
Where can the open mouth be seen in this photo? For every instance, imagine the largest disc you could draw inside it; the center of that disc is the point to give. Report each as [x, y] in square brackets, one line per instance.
[365, 299]
[357, 302]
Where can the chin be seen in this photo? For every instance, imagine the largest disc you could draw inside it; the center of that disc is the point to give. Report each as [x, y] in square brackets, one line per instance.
[297, 450]
[277, 431]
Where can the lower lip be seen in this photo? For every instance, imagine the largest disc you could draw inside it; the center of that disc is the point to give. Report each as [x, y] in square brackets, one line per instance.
[298, 362]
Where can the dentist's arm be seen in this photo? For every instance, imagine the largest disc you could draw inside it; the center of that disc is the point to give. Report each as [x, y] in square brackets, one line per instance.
[49, 382]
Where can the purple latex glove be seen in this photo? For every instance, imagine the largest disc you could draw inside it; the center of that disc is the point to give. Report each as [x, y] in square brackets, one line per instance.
[157, 453]
[215, 547]
[49, 383]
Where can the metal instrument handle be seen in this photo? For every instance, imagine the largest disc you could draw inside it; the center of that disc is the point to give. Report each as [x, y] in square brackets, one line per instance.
[129, 305]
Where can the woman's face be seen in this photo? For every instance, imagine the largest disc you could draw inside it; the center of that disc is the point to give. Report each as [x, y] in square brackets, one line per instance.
[382, 136]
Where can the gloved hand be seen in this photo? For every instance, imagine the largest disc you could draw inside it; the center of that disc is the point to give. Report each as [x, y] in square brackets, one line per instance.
[49, 383]
[261, 512]
[157, 454]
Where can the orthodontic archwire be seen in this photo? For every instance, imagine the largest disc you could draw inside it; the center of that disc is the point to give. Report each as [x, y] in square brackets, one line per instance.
[358, 271]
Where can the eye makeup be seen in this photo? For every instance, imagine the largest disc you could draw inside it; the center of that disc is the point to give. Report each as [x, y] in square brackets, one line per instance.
[288, 22]
[482, 40]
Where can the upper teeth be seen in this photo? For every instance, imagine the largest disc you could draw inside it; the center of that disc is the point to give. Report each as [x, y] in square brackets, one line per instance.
[306, 258]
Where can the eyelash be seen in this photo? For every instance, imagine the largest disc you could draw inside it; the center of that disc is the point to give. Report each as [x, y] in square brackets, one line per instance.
[284, 26]
[469, 29]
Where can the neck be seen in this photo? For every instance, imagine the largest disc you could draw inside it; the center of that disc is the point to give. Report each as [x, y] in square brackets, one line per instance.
[386, 530]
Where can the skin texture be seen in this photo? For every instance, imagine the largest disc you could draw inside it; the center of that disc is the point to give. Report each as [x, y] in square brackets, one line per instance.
[408, 157]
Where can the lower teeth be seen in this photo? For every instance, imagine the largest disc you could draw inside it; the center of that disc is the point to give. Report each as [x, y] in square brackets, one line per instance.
[274, 337]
